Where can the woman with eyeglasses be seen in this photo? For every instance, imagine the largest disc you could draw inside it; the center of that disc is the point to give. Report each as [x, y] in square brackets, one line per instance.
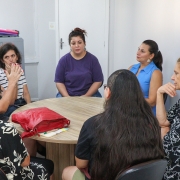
[126, 133]
[148, 70]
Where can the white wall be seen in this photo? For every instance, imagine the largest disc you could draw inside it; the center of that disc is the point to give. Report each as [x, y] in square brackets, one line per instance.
[32, 19]
[131, 22]
[46, 48]
[137, 20]
[19, 15]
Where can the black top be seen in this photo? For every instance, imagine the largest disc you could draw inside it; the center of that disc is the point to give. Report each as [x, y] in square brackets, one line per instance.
[84, 147]
[86, 143]
[13, 153]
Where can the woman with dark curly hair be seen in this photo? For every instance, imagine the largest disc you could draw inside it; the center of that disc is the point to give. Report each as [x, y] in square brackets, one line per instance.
[125, 134]
[15, 160]
[9, 54]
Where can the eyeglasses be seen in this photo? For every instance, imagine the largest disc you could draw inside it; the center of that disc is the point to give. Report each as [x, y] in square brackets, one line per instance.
[105, 85]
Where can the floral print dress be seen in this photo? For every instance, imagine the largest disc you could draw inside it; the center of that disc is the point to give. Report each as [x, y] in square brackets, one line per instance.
[171, 144]
[13, 153]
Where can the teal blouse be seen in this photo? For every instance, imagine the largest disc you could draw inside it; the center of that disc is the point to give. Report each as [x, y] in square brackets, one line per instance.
[144, 78]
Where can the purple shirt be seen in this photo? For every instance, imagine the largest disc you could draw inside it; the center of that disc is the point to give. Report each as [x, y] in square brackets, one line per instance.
[78, 75]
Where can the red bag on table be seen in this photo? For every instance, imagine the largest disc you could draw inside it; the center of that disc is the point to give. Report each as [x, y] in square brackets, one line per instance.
[38, 120]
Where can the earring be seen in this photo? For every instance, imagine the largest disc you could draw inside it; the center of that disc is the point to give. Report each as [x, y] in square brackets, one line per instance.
[148, 60]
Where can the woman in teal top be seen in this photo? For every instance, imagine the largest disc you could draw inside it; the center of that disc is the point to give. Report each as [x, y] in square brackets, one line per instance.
[148, 70]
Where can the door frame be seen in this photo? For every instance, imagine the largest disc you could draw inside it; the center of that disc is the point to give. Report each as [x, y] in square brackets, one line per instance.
[106, 40]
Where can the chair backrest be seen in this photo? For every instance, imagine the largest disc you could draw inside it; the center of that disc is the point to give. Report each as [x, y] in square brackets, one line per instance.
[2, 175]
[151, 170]
[165, 95]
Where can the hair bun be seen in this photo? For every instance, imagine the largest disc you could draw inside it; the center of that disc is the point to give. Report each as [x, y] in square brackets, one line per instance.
[80, 30]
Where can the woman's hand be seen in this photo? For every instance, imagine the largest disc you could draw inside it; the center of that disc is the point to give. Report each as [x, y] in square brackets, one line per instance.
[62, 89]
[11, 92]
[13, 77]
[85, 171]
[15, 73]
[93, 89]
[168, 88]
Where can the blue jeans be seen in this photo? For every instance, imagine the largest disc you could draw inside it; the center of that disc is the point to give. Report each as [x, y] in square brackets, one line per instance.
[10, 109]
[18, 103]
[97, 94]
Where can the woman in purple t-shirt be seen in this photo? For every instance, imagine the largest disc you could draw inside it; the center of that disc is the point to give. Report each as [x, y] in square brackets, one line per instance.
[78, 73]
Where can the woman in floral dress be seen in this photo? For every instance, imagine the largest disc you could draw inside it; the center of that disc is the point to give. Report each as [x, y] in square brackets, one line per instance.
[13, 154]
[170, 125]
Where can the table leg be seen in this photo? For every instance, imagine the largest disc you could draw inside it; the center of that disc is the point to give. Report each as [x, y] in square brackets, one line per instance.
[62, 155]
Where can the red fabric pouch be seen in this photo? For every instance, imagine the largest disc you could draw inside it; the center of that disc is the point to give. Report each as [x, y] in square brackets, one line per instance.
[38, 120]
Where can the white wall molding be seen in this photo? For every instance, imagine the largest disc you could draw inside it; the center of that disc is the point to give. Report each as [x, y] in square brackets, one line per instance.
[31, 60]
[34, 99]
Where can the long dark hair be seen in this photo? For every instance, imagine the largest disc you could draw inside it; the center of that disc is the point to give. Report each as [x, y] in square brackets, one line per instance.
[126, 133]
[77, 32]
[153, 48]
[4, 49]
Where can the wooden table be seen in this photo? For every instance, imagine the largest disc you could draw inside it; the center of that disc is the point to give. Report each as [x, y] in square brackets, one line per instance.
[60, 148]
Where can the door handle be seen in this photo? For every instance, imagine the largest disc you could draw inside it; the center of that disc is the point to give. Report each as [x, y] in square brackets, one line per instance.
[61, 43]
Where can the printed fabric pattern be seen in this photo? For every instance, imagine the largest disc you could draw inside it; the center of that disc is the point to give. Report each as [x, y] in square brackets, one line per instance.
[171, 144]
[13, 153]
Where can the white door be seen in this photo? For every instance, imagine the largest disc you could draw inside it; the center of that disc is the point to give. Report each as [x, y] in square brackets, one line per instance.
[91, 15]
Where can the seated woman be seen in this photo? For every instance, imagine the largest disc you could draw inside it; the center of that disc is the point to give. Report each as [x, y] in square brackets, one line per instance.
[14, 158]
[9, 54]
[125, 134]
[148, 70]
[78, 73]
[170, 125]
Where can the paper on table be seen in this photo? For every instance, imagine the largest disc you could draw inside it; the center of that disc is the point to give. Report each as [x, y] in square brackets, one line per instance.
[53, 132]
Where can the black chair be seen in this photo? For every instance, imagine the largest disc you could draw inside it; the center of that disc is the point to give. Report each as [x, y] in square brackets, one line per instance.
[2, 175]
[165, 95]
[151, 170]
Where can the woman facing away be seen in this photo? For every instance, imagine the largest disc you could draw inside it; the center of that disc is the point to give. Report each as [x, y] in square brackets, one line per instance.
[9, 54]
[148, 70]
[124, 134]
[78, 73]
[170, 125]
